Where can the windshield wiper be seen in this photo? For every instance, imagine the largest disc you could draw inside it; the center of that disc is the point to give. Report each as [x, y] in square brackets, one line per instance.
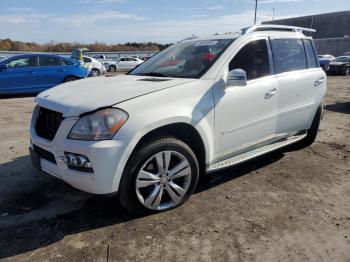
[154, 74]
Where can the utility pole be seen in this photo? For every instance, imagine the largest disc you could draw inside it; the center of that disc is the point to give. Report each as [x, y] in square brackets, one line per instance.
[273, 13]
[256, 8]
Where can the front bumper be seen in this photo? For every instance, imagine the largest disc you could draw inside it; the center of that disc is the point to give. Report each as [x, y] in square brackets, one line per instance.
[105, 157]
[336, 70]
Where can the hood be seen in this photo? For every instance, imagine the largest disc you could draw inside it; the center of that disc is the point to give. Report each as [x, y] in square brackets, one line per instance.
[86, 95]
[339, 63]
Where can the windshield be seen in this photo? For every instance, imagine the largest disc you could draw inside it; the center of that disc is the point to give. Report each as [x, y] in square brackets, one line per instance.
[186, 60]
[342, 59]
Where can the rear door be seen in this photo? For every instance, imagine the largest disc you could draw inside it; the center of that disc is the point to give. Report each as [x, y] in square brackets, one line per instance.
[123, 63]
[51, 72]
[20, 75]
[300, 80]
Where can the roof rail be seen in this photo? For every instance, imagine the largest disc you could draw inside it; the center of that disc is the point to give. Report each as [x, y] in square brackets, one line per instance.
[276, 28]
[188, 38]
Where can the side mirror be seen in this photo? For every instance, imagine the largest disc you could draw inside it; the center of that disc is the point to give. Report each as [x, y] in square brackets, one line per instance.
[237, 77]
[3, 66]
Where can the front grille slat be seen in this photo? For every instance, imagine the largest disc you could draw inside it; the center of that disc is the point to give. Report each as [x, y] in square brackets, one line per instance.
[47, 123]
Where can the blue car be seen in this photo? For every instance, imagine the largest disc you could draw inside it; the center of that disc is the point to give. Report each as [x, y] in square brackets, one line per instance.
[34, 73]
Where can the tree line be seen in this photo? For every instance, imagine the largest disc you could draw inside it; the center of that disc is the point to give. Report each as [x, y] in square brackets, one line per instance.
[10, 45]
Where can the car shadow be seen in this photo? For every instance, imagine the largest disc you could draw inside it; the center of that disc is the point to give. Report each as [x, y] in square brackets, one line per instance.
[343, 107]
[49, 209]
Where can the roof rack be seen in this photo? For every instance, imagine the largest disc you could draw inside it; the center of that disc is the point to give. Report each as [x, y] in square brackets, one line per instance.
[276, 28]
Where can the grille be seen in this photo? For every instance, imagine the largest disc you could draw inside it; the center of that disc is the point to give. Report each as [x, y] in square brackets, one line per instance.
[47, 123]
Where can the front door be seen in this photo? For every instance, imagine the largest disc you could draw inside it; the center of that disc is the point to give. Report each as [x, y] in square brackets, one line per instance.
[20, 75]
[245, 116]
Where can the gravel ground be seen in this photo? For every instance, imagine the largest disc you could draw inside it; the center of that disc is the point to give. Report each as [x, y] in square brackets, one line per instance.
[291, 206]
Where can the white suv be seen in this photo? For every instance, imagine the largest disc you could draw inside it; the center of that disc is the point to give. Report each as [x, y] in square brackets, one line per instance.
[199, 106]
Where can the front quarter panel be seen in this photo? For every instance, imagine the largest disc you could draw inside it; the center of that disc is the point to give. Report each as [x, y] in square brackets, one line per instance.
[191, 103]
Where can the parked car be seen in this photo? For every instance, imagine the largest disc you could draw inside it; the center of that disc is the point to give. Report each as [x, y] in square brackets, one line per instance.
[324, 61]
[123, 64]
[97, 67]
[340, 65]
[128, 63]
[329, 57]
[34, 73]
[2, 57]
[110, 65]
[150, 134]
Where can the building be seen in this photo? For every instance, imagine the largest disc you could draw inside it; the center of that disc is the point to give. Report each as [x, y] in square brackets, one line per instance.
[333, 30]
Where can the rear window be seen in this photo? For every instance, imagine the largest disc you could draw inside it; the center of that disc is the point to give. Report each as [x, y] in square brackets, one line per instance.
[289, 55]
[87, 60]
[49, 61]
[310, 54]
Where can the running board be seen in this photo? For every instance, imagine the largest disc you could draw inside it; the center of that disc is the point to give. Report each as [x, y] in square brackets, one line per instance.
[255, 153]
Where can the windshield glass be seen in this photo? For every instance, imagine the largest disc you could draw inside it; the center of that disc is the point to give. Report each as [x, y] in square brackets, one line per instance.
[342, 59]
[187, 60]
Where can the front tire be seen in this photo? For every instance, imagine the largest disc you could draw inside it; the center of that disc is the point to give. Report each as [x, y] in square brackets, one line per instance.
[94, 72]
[161, 175]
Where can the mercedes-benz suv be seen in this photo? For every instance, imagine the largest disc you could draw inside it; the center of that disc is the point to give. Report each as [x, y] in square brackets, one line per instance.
[199, 106]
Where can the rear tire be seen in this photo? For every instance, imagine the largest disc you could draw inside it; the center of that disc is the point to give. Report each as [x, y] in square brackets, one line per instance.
[347, 71]
[154, 181]
[112, 68]
[312, 132]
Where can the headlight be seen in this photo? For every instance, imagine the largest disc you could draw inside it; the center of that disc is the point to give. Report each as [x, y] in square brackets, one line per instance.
[100, 125]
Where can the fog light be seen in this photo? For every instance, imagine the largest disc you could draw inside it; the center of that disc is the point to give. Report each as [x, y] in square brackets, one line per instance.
[78, 162]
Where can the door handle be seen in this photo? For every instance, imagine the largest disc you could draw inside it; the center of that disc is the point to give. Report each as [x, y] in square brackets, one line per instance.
[319, 81]
[270, 93]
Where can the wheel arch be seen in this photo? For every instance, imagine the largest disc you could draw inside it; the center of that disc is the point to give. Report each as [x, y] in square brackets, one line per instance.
[68, 76]
[180, 130]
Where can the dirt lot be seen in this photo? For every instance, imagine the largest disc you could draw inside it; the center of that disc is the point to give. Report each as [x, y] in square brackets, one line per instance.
[292, 206]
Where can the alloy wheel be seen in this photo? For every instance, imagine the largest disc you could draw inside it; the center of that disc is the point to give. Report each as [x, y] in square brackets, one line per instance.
[163, 180]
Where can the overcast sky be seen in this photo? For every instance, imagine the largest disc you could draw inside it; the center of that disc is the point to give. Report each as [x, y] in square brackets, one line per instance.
[120, 21]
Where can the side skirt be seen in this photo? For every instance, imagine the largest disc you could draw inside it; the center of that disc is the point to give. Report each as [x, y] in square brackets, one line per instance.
[256, 152]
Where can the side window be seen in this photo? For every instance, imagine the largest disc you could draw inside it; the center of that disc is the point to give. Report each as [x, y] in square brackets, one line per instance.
[67, 62]
[49, 61]
[289, 55]
[23, 62]
[310, 54]
[252, 58]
